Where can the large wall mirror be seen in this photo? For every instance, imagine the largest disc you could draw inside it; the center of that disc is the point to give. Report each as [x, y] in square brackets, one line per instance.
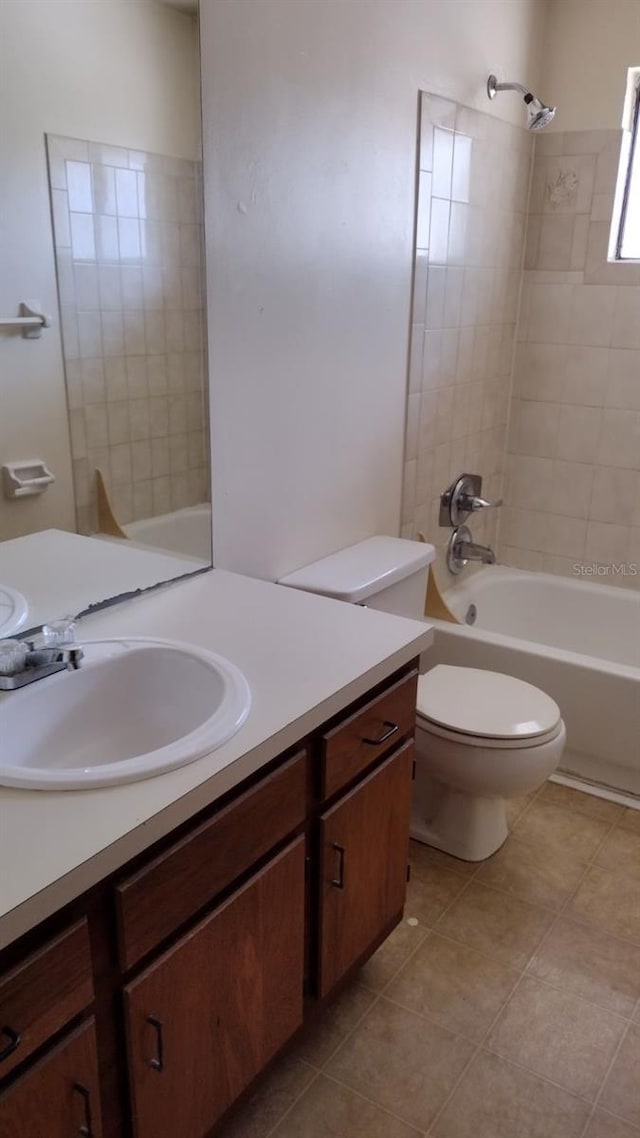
[104, 441]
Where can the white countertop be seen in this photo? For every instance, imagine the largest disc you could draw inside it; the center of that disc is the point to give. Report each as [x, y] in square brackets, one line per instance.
[305, 657]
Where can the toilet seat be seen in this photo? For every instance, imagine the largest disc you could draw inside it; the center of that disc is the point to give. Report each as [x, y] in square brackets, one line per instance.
[485, 709]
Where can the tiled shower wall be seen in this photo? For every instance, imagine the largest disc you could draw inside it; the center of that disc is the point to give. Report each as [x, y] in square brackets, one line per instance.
[128, 242]
[573, 469]
[472, 202]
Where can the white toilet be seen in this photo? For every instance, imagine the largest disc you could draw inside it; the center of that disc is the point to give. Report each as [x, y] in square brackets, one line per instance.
[481, 737]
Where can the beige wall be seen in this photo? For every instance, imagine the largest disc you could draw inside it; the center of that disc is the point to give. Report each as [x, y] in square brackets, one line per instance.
[589, 44]
[310, 115]
[120, 73]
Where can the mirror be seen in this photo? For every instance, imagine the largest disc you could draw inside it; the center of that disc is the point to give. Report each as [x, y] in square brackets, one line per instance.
[104, 439]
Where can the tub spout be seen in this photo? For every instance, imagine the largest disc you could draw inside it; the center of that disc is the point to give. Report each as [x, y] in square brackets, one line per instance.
[474, 552]
[462, 549]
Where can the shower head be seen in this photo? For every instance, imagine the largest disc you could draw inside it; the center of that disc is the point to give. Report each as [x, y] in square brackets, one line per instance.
[538, 115]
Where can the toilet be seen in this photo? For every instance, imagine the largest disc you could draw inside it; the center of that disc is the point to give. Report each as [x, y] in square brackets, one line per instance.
[481, 737]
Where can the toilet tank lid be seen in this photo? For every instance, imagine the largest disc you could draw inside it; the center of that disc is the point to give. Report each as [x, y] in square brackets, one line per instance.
[355, 573]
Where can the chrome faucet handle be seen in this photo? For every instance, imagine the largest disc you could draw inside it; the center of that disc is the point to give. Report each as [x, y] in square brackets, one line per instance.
[472, 504]
[463, 498]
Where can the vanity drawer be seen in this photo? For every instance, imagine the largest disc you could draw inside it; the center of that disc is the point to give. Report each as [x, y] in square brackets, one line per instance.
[372, 731]
[156, 900]
[43, 994]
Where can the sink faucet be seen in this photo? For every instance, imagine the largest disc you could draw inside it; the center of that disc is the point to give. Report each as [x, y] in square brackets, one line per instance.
[461, 549]
[25, 661]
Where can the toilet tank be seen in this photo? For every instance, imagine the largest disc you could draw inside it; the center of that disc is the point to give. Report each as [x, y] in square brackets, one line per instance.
[386, 573]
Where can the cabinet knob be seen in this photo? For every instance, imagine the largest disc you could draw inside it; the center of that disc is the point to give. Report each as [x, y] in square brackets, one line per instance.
[389, 730]
[339, 880]
[157, 1025]
[87, 1127]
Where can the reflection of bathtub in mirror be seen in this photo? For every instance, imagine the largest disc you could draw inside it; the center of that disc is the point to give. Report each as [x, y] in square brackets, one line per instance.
[186, 532]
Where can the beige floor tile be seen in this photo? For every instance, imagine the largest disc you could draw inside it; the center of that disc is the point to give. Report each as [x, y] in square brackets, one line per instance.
[561, 832]
[555, 794]
[558, 1036]
[592, 964]
[421, 855]
[431, 893]
[273, 1096]
[390, 957]
[328, 1110]
[455, 986]
[532, 872]
[321, 1038]
[621, 1093]
[403, 1062]
[517, 806]
[609, 900]
[604, 1125]
[503, 927]
[621, 852]
[631, 819]
[498, 1100]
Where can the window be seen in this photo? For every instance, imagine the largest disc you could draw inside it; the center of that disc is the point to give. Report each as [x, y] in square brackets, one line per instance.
[627, 213]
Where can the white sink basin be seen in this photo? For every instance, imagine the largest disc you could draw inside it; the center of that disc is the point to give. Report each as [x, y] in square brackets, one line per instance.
[135, 708]
[13, 611]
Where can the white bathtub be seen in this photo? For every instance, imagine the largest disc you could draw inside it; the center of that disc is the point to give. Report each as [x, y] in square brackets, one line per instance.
[186, 531]
[578, 641]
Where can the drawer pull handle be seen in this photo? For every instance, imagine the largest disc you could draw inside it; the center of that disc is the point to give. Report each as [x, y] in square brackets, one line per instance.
[14, 1042]
[158, 1062]
[339, 880]
[87, 1128]
[391, 729]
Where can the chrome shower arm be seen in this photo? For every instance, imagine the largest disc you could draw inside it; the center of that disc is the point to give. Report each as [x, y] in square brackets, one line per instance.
[493, 87]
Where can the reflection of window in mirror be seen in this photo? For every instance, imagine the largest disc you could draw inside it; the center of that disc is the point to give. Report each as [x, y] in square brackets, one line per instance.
[101, 221]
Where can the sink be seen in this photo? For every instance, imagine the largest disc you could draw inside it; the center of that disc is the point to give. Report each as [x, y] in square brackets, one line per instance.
[134, 709]
[13, 611]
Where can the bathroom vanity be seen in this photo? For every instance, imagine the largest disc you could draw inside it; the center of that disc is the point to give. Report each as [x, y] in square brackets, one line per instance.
[144, 987]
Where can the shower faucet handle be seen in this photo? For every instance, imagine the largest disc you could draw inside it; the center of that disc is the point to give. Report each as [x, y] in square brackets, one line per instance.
[463, 498]
[473, 503]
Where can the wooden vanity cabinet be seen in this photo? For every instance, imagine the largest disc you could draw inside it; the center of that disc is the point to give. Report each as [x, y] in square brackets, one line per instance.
[204, 957]
[59, 1097]
[364, 842]
[208, 1016]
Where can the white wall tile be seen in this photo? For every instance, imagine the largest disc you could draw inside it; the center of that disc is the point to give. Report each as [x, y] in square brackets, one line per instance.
[592, 315]
[626, 327]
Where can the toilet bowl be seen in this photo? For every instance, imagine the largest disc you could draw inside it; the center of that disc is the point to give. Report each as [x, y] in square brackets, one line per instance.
[481, 738]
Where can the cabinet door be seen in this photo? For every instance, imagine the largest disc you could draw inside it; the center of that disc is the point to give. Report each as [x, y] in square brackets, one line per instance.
[212, 1011]
[363, 865]
[59, 1096]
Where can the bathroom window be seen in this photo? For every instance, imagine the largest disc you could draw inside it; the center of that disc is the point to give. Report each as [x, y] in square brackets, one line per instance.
[627, 213]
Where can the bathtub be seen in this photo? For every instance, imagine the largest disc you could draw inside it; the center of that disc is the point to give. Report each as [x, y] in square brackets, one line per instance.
[578, 641]
[186, 531]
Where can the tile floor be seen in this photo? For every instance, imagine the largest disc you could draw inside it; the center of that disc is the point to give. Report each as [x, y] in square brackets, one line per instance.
[506, 1005]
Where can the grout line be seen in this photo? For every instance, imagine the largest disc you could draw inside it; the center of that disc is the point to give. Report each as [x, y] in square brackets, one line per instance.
[372, 1102]
[605, 1078]
[311, 1083]
[474, 1054]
